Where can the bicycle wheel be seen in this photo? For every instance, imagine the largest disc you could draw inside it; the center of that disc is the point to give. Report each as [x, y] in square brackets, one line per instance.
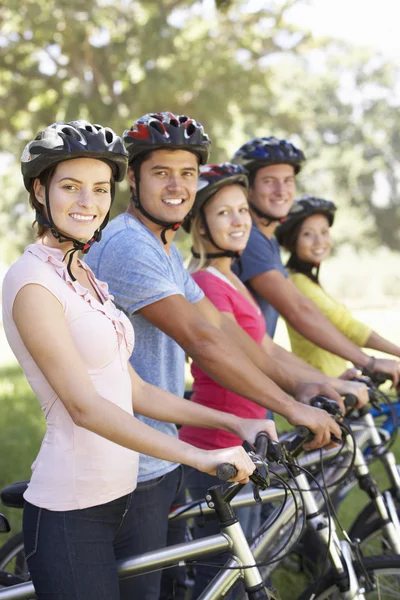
[12, 557]
[368, 529]
[383, 570]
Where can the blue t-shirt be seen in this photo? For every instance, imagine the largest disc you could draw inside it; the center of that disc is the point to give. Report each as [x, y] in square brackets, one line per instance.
[132, 260]
[261, 255]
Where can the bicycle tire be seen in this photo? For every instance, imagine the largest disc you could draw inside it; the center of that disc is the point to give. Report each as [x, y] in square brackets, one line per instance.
[366, 528]
[12, 557]
[368, 514]
[384, 569]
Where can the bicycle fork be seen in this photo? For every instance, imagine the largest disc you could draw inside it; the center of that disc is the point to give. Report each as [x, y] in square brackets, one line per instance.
[339, 552]
[242, 554]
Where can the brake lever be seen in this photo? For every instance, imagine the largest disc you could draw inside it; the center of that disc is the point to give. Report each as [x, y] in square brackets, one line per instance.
[330, 406]
[256, 477]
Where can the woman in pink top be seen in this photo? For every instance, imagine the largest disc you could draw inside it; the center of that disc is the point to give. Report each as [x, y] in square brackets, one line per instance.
[74, 345]
[220, 226]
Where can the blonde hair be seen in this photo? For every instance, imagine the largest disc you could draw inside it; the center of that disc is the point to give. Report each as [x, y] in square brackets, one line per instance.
[199, 246]
[199, 240]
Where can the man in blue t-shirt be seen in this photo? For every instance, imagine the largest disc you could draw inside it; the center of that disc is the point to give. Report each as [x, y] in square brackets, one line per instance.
[137, 258]
[273, 165]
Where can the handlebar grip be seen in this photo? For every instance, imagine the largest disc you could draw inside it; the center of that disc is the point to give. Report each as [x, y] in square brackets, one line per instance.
[350, 400]
[262, 443]
[324, 403]
[378, 377]
[226, 471]
[302, 431]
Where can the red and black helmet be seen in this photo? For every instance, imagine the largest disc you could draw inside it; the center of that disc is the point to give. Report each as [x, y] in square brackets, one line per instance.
[211, 179]
[164, 130]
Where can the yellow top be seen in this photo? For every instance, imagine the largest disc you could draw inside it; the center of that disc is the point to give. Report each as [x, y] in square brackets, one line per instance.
[339, 315]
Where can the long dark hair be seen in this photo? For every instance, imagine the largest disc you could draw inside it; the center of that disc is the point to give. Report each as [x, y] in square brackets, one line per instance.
[310, 269]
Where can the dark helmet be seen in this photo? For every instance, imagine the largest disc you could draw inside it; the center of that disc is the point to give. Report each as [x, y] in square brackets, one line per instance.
[65, 141]
[263, 151]
[304, 207]
[211, 179]
[158, 131]
[76, 139]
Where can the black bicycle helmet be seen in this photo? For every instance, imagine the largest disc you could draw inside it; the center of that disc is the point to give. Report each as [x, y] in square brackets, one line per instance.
[304, 207]
[65, 141]
[263, 151]
[76, 139]
[212, 178]
[163, 131]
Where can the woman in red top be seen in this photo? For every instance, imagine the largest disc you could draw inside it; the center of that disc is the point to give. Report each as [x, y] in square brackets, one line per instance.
[220, 225]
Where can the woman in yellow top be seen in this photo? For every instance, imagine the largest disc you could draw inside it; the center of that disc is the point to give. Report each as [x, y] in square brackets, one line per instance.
[305, 233]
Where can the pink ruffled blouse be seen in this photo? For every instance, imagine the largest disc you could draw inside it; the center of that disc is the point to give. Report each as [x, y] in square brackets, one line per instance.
[75, 468]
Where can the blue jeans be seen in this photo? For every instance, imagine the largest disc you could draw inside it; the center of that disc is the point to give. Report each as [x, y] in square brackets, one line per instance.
[72, 554]
[249, 517]
[152, 530]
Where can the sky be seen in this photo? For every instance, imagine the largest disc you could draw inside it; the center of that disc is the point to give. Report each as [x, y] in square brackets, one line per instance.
[363, 22]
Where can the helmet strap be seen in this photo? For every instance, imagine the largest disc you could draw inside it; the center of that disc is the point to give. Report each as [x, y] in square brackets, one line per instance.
[83, 247]
[164, 224]
[263, 215]
[234, 254]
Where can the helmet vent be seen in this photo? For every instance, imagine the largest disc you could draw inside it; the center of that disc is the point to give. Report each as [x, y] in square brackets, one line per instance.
[158, 126]
[191, 129]
[71, 133]
[109, 136]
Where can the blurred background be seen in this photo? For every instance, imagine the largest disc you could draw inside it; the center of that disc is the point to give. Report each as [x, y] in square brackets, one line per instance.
[323, 73]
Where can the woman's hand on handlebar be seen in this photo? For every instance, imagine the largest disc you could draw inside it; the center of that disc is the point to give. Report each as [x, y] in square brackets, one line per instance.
[209, 460]
[388, 366]
[249, 428]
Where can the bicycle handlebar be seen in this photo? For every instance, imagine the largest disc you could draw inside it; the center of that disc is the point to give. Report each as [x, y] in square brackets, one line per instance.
[226, 471]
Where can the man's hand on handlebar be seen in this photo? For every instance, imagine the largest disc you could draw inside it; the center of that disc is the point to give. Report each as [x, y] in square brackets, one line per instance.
[357, 389]
[321, 424]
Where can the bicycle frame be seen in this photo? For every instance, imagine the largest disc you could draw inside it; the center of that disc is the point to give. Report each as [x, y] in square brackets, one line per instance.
[365, 432]
[267, 543]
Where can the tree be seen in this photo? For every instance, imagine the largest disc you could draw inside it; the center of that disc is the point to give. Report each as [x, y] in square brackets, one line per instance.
[240, 71]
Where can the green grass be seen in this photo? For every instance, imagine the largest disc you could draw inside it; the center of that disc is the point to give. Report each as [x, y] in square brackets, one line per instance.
[22, 429]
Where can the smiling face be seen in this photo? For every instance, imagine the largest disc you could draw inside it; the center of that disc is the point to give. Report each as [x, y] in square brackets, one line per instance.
[273, 189]
[314, 242]
[228, 218]
[80, 196]
[168, 184]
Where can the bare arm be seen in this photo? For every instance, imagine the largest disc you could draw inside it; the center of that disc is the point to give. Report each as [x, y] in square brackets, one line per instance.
[305, 317]
[377, 342]
[37, 314]
[196, 329]
[172, 409]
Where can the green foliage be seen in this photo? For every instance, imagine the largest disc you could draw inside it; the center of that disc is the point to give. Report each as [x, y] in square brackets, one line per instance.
[240, 70]
[22, 432]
